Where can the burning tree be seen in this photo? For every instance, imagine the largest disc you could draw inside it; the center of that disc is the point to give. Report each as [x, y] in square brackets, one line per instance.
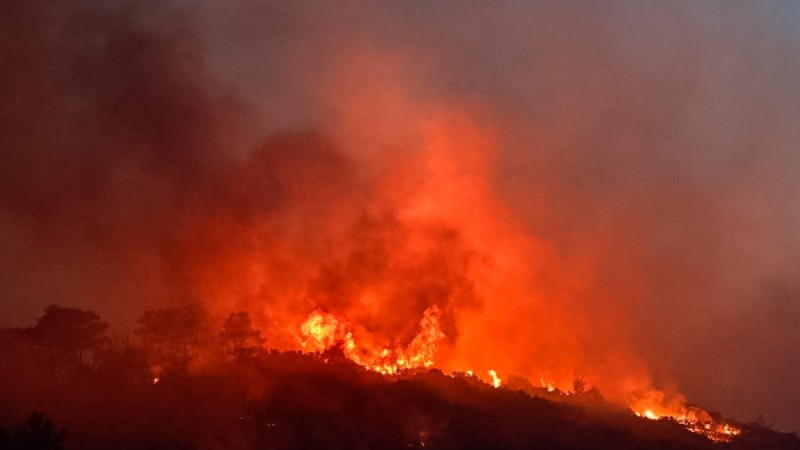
[239, 337]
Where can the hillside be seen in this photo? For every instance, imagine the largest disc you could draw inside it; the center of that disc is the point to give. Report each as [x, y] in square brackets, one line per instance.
[299, 401]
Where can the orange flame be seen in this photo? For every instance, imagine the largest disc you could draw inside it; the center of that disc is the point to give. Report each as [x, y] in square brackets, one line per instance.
[654, 406]
[323, 331]
[496, 381]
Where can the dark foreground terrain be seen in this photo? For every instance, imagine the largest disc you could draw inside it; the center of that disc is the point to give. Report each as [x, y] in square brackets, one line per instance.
[293, 401]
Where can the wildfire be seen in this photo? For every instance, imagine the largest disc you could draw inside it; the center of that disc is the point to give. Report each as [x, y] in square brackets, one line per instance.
[323, 331]
[694, 419]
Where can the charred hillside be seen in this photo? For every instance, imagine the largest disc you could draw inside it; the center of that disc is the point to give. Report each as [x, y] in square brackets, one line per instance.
[298, 401]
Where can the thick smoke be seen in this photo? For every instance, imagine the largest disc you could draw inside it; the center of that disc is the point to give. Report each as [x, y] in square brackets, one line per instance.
[582, 187]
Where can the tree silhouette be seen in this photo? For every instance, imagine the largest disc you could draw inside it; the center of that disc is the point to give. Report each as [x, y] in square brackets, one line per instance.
[239, 337]
[36, 433]
[578, 384]
[70, 332]
[172, 334]
[124, 361]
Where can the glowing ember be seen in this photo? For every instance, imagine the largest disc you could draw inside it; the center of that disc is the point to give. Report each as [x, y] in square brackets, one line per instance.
[156, 380]
[496, 381]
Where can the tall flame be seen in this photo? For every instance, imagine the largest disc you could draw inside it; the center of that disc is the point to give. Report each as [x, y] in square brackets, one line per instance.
[322, 331]
[496, 381]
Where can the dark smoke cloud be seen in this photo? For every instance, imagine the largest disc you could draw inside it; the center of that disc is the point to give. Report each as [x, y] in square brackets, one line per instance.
[111, 132]
[147, 162]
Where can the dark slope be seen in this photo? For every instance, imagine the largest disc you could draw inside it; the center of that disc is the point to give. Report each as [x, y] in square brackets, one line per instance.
[294, 401]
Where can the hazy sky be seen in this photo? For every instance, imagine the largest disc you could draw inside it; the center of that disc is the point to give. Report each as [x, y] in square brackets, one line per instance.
[602, 181]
